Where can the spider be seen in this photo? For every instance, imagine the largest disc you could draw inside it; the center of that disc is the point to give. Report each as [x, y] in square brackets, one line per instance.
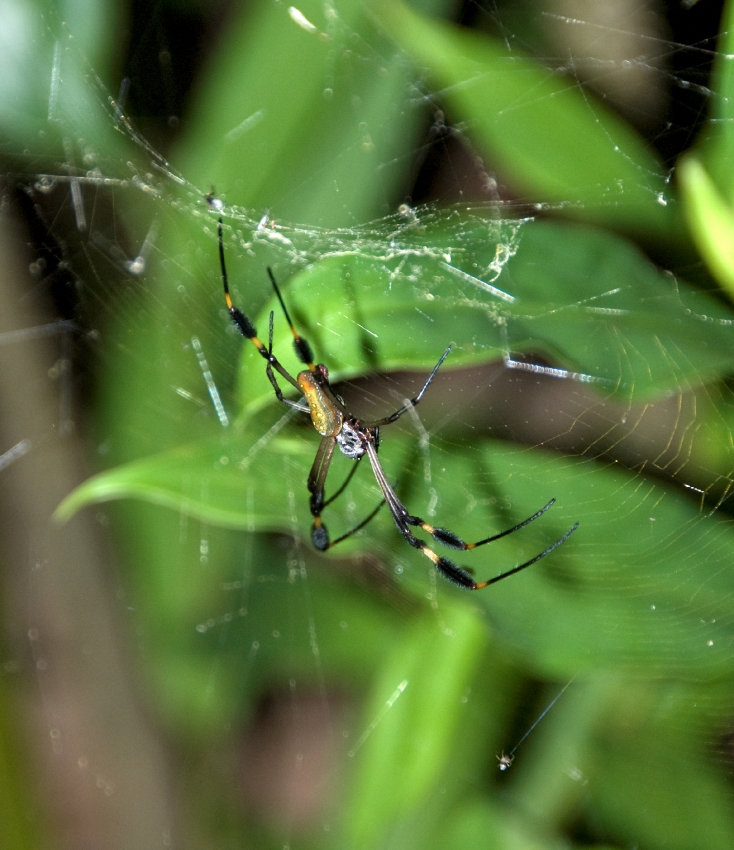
[505, 761]
[355, 439]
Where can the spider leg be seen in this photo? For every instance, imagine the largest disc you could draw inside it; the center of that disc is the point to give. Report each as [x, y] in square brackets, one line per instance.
[296, 405]
[481, 584]
[344, 485]
[393, 417]
[316, 481]
[453, 541]
[357, 528]
[453, 572]
[247, 329]
[338, 493]
[303, 349]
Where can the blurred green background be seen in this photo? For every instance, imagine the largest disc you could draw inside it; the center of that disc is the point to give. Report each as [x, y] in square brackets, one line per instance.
[179, 666]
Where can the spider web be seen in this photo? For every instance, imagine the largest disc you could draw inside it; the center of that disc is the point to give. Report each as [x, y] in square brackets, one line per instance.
[358, 699]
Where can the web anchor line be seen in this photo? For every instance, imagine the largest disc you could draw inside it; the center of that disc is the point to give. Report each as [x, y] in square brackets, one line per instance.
[554, 372]
[505, 759]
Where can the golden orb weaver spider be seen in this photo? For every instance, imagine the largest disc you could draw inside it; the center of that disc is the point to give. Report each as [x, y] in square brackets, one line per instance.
[356, 439]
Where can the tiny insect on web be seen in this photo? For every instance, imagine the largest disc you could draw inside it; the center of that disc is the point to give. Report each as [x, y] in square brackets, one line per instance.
[355, 439]
[505, 760]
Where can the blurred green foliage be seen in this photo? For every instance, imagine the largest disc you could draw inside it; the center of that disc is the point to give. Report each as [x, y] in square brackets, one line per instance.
[318, 128]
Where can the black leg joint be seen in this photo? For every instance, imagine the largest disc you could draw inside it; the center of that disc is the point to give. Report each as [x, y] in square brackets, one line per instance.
[414, 541]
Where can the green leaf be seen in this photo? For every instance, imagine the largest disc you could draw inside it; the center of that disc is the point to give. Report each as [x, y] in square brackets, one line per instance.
[710, 219]
[580, 757]
[549, 138]
[715, 145]
[643, 584]
[215, 480]
[601, 308]
[548, 784]
[587, 299]
[691, 808]
[412, 719]
[554, 613]
[283, 103]
[480, 822]
[46, 86]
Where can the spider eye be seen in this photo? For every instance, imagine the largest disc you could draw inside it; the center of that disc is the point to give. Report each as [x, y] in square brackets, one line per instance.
[323, 371]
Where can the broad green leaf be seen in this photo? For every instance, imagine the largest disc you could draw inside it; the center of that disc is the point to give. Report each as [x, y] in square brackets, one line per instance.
[642, 585]
[606, 311]
[691, 808]
[715, 146]
[214, 650]
[412, 719]
[584, 747]
[549, 782]
[651, 593]
[215, 480]
[548, 138]
[587, 299]
[710, 219]
[298, 122]
[481, 823]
